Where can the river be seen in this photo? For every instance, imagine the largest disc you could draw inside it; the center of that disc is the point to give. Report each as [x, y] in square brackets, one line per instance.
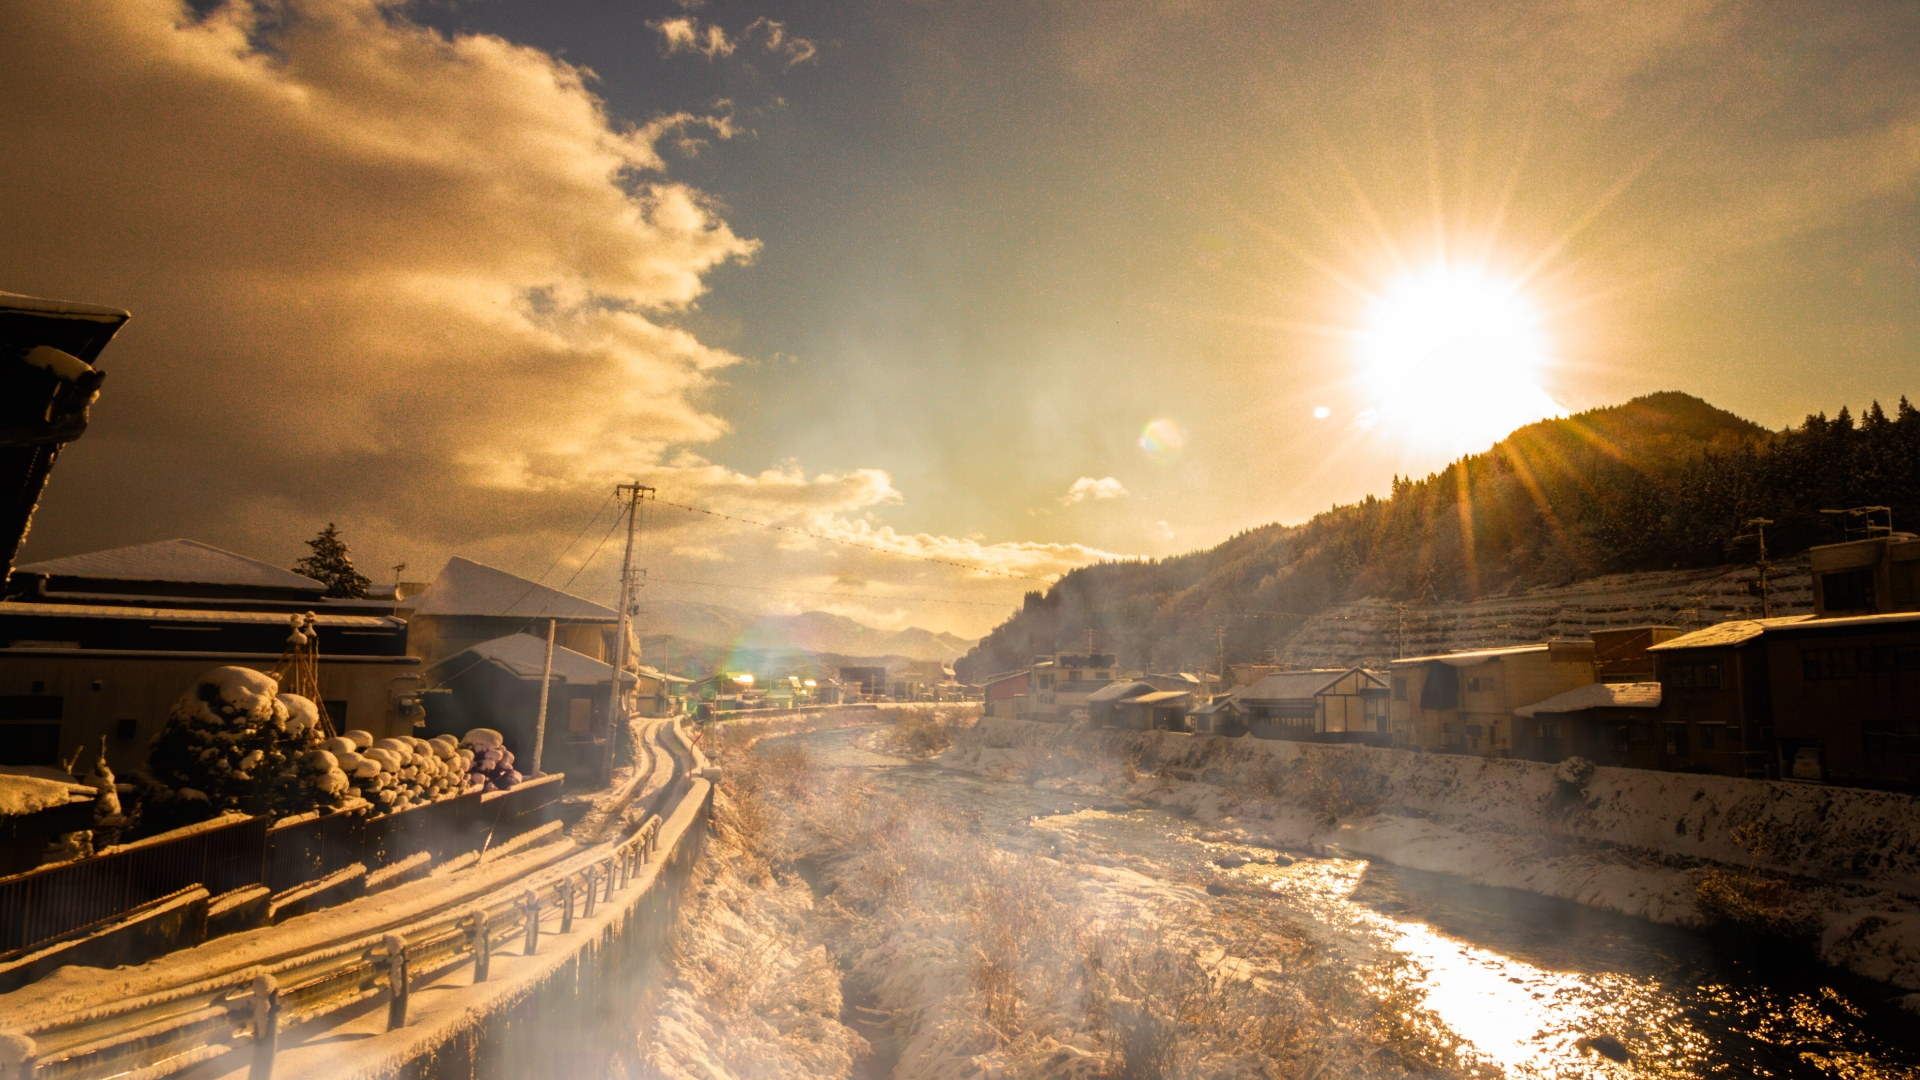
[1525, 979]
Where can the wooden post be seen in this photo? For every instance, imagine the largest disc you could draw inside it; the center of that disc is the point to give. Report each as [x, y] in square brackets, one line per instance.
[546, 688]
[396, 947]
[531, 904]
[565, 889]
[482, 944]
[591, 890]
[609, 865]
[266, 1027]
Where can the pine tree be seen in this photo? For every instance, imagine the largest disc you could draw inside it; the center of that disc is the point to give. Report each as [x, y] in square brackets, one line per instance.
[332, 564]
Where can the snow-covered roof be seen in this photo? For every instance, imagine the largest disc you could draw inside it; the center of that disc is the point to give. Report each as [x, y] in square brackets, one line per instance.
[1118, 691]
[1217, 705]
[525, 656]
[22, 794]
[1468, 659]
[1291, 685]
[12, 301]
[182, 561]
[465, 587]
[1731, 632]
[179, 615]
[1161, 697]
[1632, 695]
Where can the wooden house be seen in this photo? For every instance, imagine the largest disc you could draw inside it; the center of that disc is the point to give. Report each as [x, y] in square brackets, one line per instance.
[1463, 702]
[1321, 705]
[496, 684]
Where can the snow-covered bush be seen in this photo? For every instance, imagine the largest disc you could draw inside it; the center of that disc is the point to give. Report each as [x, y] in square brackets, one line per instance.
[490, 762]
[394, 774]
[234, 742]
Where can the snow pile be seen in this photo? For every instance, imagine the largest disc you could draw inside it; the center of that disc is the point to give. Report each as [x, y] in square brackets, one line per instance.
[394, 774]
[489, 762]
[1634, 841]
[234, 742]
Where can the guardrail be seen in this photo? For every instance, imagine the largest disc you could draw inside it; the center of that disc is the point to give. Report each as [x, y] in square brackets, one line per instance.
[169, 1033]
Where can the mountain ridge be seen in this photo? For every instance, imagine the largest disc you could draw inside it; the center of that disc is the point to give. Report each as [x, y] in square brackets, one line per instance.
[808, 631]
[1665, 481]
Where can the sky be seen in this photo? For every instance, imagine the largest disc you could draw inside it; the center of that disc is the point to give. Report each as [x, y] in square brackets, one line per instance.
[959, 296]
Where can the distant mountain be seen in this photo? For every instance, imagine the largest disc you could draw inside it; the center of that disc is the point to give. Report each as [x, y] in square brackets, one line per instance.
[1663, 482]
[809, 632]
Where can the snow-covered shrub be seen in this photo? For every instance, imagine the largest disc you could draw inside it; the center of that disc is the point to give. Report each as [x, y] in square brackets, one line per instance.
[234, 742]
[490, 763]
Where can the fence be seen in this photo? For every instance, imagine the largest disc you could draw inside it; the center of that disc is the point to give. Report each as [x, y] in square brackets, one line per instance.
[42, 906]
[53, 902]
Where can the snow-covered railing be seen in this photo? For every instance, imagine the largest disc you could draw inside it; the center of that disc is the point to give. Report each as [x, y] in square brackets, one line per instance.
[165, 1034]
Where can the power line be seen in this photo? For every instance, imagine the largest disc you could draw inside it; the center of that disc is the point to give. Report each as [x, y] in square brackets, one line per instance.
[854, 543]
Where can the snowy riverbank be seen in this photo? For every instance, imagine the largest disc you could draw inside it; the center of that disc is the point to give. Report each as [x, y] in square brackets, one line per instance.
[1624, 840]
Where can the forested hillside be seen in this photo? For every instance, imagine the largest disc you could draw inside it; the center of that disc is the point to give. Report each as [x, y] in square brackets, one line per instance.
[1662, 482]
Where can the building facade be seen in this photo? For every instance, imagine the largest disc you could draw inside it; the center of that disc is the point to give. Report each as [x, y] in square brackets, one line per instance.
[1463, 702]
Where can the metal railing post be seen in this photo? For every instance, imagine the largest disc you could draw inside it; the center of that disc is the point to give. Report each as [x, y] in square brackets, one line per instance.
[622, 857]
[608, 863]
[482, 944]
[266, 1026]
[565, 888]
[396, 947]
[531, 905]
[592, 890]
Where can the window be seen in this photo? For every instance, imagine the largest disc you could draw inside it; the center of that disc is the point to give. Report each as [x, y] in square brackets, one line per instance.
[1641, 732]
[1550, 729]
[29, 744]
[1847, 663]
[1620, 739]
[1486, 684]
[1849, 590]
[1694, 676]
[1399, 689]
[1676, 739]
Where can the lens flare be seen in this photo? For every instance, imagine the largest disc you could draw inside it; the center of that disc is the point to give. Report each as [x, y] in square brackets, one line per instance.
[1322, 412]
[1162, 439]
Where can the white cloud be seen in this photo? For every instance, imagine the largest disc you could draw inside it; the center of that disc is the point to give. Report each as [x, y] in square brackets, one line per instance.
[773, 36]
[1088, 488]
[684, 33]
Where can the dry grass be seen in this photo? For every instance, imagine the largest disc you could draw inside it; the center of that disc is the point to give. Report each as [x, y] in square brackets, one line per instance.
[1750, 899]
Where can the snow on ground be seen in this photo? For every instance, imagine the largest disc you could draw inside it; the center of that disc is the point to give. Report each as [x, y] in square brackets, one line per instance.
[1632, 841]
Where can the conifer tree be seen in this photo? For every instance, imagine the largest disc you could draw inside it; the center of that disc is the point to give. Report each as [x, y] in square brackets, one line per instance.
[332, 564]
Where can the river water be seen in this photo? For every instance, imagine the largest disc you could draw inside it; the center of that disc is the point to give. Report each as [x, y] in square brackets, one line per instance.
[1524, 979]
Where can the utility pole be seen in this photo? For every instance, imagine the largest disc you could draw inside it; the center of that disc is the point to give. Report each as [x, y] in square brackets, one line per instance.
[617, 707]
[1760, 533]
[546, 688]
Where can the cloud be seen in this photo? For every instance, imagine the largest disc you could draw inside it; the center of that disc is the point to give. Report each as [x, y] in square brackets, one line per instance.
[773, 37]
[1088, 488]
[685, 33]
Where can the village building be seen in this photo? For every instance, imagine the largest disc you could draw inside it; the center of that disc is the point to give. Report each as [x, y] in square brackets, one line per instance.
[1159, 710]
[1620, 654]
[864, 683]
[1799, 697]
[1463, 702]
[1063, 682]
[1005, 694]
[657, 694]
[1319, 705]
[925, 680]
[1608, 723]
[102, 644]
[1874, 576]
[1102, 703]
[470, 603]
[1222, 716]
[496, 684]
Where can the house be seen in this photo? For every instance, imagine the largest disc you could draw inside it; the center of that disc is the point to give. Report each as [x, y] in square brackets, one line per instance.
[1610, 723]
[1102, 704]
[1798, 697]
[470, 603]
[1222, 716]
[1063, 682]
[1005, 694]
[102, 644]
[496, 684]
[1321, 705]
[1874, 576]
[1463, 702]
[925, 680]
[657, 693]
[1158, 710]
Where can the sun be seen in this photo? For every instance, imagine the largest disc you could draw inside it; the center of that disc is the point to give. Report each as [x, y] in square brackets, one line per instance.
[1451, 357]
